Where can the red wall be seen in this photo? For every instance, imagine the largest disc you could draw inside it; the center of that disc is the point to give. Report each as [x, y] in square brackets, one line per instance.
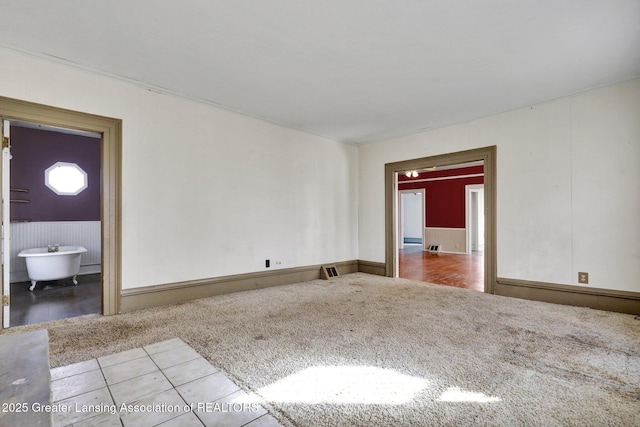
[445, 198]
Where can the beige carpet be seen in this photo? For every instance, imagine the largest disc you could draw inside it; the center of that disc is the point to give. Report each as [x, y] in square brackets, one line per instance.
[367, 350]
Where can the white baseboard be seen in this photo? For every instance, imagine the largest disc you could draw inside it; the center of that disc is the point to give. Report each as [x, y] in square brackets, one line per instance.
[21, 276]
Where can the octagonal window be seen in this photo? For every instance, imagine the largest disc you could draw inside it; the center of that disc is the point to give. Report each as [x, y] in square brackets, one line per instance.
[66, 179]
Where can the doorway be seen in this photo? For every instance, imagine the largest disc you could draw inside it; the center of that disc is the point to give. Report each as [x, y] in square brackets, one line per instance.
[474, 197]
[453, 228]
[411, 210]
[109, 132]
[485, 155]
[54, 203]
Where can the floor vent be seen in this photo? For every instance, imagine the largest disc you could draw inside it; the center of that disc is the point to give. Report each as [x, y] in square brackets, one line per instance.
[329, 272]
[434, 248]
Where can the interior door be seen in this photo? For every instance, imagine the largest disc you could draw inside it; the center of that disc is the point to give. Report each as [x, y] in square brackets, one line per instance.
[6, 230]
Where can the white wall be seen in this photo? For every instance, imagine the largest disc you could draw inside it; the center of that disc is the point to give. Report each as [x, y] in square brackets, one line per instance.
[207, 192]
[568, 183]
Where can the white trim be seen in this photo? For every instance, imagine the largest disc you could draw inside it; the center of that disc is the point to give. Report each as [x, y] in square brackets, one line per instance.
[39, 126]
[54, 184]
[444, 228]
[23, 276]
[443, 178]
[395, 227]
[471, 188]
[400, 217]
[6, 228]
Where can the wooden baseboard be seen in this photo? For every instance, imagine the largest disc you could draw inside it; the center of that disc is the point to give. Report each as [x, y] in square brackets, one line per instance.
[173, 293]
[371, 267]
[601, 299]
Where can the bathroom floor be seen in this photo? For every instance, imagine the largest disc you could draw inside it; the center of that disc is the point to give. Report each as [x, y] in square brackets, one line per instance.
[54, 300]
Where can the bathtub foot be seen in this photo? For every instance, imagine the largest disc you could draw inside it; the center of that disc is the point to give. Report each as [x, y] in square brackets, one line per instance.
[33, 285]
[75, 280]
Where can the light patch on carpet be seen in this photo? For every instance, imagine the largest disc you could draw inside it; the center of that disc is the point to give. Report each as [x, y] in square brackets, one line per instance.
[455, 394]
[345, 385]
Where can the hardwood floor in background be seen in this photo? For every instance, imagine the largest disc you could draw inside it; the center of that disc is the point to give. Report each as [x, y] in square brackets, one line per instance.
[461, 271]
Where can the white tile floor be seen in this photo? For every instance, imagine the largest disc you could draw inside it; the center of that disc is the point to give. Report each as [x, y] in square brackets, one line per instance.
[166, 384]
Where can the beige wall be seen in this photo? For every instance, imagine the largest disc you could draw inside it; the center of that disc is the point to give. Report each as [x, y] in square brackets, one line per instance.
[207, 192]
[453, 240]
[568, 178]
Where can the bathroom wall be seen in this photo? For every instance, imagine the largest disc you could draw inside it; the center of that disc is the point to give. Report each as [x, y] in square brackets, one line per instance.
[33, 151]
[26, 235]
[49, 218]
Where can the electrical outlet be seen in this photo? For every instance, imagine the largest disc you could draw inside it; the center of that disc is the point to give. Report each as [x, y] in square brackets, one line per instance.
[583, 277]
[267, 263]
[278, 262]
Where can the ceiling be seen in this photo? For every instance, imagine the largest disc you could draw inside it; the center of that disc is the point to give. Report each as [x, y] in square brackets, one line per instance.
[351, 70]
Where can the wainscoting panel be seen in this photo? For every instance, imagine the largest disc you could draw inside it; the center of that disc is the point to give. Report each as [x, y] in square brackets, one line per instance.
[26, 235]
[453, 240]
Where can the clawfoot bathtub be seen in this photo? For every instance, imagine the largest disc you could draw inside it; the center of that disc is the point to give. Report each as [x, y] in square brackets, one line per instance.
[45, 265]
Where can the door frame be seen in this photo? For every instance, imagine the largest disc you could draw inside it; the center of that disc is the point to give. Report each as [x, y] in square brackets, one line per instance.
[110, 171]
[422, 192]
[469, 190]
[486, 154]
[5, 167]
